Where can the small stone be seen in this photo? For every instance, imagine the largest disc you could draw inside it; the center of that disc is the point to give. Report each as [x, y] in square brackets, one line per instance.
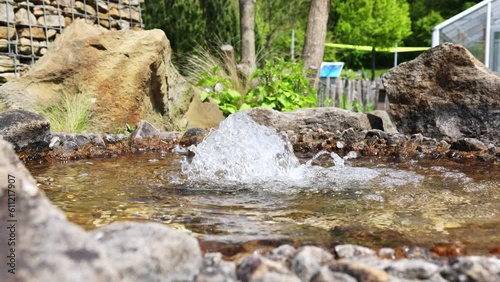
[282, 253]
[214, 269]
[413, 269]
[387, 253]
[417, 252]
[309, 260]
[70, 146]
[417, 138]
[144, 129]
[469, 145]
[376, 132]
[473, 268]
[258, 268]
[349, 134]
[193, 136]
[349, 251]
[326, 275]
[54, 142]
[359, 271]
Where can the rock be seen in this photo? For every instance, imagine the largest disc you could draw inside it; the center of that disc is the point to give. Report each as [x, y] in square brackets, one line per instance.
[7, 32]
[328, 119]
[381, 120]
[24, 17]
[359, 271]
[214, 269]
[473, 268]
[150, 251]
[283, 254]
[376, 132]
[144, 129]
[445, 92]
[193, 136]
[387, 253]
[349, 251]
[52, 21]
[128, 73]
[27, 131]
[6, 12]
[414, 269]
[326, 275]
[468, 145]
[308, 260]
[257, 268]
[43, 229]
[204, 115]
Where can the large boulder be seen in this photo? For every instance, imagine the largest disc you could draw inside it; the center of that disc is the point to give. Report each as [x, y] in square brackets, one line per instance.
[43, 246]
[445, 93]
[127, 74]
[328, 119]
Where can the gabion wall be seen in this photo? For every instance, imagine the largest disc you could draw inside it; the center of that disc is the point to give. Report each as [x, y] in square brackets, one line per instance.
[27, 27]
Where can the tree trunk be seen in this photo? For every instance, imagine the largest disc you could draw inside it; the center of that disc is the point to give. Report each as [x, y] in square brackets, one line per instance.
[373, 63]
[314, 42]
[247, 30]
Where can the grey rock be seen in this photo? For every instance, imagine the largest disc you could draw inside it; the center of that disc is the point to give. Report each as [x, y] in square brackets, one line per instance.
[387, 253]
[193, 136]
[144, 129]
[417, 138]
[359, 271]
[55, 142]
[468, 145]
[445, 92]
[258, 268]
[417, 252]
[70, 146]
[169, 136]
[27, 131]
[349, 134]
[327, 275]
[349, 251]
[308, 260]
[214, 269]
[473, 268]
[327, 119]
[283, 253]
[385, 121]
[413, 269]
[150, 251]
[376, 132]
[43, 229]
[97, 140]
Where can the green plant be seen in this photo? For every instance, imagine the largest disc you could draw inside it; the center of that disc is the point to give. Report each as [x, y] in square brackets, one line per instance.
[71, 113]
[281, 85]
[221, 90]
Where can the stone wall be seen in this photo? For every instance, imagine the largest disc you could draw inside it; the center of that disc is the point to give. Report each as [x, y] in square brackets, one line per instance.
[27, 27]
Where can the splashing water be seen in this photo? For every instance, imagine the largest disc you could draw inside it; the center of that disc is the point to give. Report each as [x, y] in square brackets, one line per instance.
[244, 152]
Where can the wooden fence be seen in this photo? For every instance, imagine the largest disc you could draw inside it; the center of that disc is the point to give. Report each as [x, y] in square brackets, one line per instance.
[366, 93]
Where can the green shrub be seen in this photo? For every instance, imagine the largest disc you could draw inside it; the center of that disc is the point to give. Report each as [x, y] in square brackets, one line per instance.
[282, 86]
[72, 113]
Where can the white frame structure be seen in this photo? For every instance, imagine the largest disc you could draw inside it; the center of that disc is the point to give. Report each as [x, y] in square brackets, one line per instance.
[474, 28]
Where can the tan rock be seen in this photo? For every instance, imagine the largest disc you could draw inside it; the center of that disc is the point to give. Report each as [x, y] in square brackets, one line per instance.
[6, 12]
[25, 17]
[127, 72]
[7, 32]
[7, 63]
[203, 115]
[84, 9]
[45, 10]
[52, 21]
[4, 44]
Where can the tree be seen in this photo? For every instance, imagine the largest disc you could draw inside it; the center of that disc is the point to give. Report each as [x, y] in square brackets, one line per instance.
[221, 23]
[314, 42]
[377, 23]
[247, 32]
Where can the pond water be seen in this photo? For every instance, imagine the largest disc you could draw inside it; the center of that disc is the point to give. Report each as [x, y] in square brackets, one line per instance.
[245, 185]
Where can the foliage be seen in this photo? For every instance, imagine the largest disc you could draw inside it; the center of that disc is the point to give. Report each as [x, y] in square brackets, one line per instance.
[377, 23]
[354, 105]
[221, 90]
[282, 85]
[72, 113]
[192, 23]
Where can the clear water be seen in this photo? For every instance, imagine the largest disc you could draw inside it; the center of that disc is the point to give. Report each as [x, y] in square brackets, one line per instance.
[246, 185]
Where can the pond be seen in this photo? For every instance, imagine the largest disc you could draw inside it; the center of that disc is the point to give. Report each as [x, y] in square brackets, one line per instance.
[244, 185]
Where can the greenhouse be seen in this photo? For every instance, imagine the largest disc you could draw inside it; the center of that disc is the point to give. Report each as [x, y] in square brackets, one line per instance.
[477, 29]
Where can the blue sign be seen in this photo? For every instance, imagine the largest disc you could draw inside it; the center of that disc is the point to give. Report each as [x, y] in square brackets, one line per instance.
[331, 69]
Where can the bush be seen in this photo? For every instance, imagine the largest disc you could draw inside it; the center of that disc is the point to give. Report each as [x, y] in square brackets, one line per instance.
[279, 85]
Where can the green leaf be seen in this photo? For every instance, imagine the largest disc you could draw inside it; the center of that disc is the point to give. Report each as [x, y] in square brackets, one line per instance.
[245, 106]
[204, 96]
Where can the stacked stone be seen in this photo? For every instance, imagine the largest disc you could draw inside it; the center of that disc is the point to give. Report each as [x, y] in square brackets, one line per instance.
[27, 27]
